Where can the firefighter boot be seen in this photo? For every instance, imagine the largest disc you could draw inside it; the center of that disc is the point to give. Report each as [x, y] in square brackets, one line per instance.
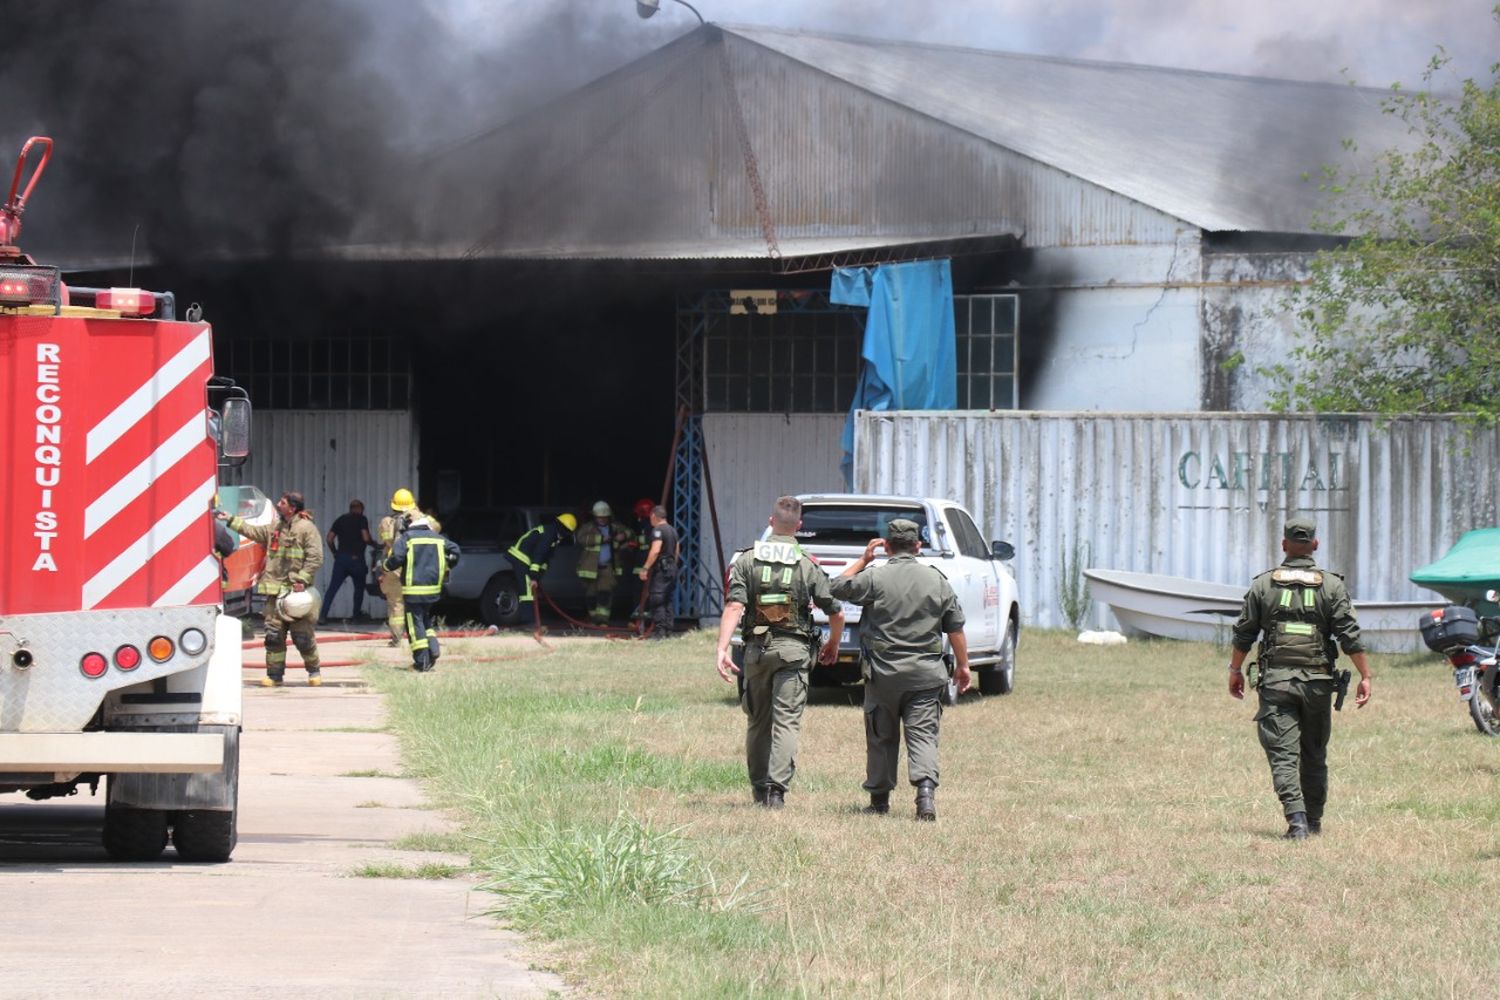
[314, 678]
[1296, 827]
[880, 804]
[926, 807]
[775, 797]
[271, 681]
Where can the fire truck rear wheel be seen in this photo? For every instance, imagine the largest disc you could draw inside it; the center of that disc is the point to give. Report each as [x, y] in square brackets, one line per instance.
[204, 835]
[134, 834]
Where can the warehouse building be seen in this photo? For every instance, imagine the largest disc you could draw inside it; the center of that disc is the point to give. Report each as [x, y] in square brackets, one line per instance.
[660, 242]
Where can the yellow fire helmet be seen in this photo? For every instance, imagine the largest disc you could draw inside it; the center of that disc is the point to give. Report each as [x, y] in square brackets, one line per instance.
[403, 500]
[568, 521]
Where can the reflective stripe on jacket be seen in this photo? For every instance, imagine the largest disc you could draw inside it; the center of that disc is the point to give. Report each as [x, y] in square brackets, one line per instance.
[424, 558]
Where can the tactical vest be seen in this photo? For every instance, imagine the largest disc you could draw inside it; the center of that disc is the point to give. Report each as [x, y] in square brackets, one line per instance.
[1296, 637]
[778, 595]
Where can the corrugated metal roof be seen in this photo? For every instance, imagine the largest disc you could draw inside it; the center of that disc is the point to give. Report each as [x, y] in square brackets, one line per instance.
[1226, 153]
[862, 143]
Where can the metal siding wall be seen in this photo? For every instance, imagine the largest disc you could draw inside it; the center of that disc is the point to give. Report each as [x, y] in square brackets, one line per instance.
[332, 457]
[756, 457]
[1142, 492]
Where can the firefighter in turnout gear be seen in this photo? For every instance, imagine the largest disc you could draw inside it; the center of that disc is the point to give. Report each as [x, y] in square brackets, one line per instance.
[601, 562]
[770, 587]
[421, 559]
[391, 526]
[1301, 614]
[528, 557]
[294, 552]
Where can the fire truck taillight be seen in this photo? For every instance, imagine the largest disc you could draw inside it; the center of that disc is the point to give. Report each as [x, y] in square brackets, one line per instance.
[130, 301]
[192, 641]
[93, 665]
[127, 657]
[20, 288]
[160, 649]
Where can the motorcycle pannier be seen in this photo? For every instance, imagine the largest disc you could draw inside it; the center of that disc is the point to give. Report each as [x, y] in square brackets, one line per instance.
[1449, 628]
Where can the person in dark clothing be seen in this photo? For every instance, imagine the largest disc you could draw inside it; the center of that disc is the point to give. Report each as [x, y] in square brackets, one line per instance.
[421, 559]
[528, 557]
[349, 537]
[660, 573]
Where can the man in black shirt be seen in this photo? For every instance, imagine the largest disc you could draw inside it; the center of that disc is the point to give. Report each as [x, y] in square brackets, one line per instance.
[660, 573]
[349, 537]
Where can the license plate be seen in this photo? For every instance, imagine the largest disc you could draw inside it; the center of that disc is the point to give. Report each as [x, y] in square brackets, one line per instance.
[1463, 679]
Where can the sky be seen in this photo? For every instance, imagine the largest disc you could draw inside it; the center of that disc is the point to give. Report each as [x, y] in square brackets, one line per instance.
[537, 49]
[1373, 42]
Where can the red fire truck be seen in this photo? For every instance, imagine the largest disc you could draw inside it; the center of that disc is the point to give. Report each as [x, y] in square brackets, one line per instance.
[116, 660]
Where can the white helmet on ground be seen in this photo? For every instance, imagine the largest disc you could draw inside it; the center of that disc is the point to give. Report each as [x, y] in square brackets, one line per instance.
[601, 509]
[296, 604]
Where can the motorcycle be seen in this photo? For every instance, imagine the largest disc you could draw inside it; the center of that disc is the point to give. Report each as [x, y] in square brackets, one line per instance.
[1460, 635]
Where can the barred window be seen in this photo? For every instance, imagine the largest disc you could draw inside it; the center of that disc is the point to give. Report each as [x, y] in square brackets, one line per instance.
[986, 328]
[320, 373]
[789, 362]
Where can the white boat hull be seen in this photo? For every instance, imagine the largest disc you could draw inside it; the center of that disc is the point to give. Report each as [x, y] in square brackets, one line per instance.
[1175, 607]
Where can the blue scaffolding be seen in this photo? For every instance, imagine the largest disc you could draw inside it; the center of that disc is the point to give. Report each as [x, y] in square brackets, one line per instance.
[700, 586]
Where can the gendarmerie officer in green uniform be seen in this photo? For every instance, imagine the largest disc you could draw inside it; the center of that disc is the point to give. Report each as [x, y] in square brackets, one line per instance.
[908, 608]
[1299, 611]
[774, 582]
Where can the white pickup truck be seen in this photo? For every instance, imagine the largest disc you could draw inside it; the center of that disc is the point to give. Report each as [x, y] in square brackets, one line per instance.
[835, 528]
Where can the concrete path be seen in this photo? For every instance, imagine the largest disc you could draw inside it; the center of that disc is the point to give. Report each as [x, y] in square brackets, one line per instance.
[284, 918]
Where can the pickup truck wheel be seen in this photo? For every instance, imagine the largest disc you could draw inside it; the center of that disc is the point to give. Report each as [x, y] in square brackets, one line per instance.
[134, 834]
[1001, 677]
[500, 601]
[205, 835]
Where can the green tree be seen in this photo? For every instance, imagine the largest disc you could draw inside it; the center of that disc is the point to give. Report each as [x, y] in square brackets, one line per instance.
[1405, 317]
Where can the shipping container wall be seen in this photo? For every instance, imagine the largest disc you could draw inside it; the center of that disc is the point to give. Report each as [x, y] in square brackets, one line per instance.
[1201, 495]
[333, 457]
[755, 458]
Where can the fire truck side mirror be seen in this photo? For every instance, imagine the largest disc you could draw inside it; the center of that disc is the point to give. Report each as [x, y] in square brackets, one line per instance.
[235, 428]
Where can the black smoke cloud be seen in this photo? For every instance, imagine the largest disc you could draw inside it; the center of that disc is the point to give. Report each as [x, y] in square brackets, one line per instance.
[203, 130]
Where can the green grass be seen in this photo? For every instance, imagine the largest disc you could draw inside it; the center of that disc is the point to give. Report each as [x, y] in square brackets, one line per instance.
[437, 843]
[428, 870]
[1109, 828]
[368, 773]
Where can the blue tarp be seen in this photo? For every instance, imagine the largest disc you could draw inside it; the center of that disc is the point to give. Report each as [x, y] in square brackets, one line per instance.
[910, 360]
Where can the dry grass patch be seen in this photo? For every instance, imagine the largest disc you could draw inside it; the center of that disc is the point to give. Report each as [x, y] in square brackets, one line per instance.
[1107, 828]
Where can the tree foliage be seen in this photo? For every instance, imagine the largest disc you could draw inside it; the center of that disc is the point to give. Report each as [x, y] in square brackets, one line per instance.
[1405, 317]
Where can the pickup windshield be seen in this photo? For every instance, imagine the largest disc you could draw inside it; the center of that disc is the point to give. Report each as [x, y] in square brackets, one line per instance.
[855, 524]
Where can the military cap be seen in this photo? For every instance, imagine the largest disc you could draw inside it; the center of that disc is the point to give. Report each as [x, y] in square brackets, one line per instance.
[902, 530]
[1300, 529]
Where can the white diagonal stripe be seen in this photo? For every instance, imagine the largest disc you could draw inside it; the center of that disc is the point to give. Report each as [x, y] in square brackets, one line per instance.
[139, 479]
[120, 569]
[190, 586]
[139, 403]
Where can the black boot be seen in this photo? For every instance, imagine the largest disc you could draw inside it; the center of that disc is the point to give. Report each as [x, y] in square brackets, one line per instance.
[1314, 826]
[758, 793]
[926, 807]
[880, 804]
[1296, 827]
[775, 797]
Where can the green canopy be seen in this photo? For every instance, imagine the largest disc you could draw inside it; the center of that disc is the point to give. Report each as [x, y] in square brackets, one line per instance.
[1470, 568]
